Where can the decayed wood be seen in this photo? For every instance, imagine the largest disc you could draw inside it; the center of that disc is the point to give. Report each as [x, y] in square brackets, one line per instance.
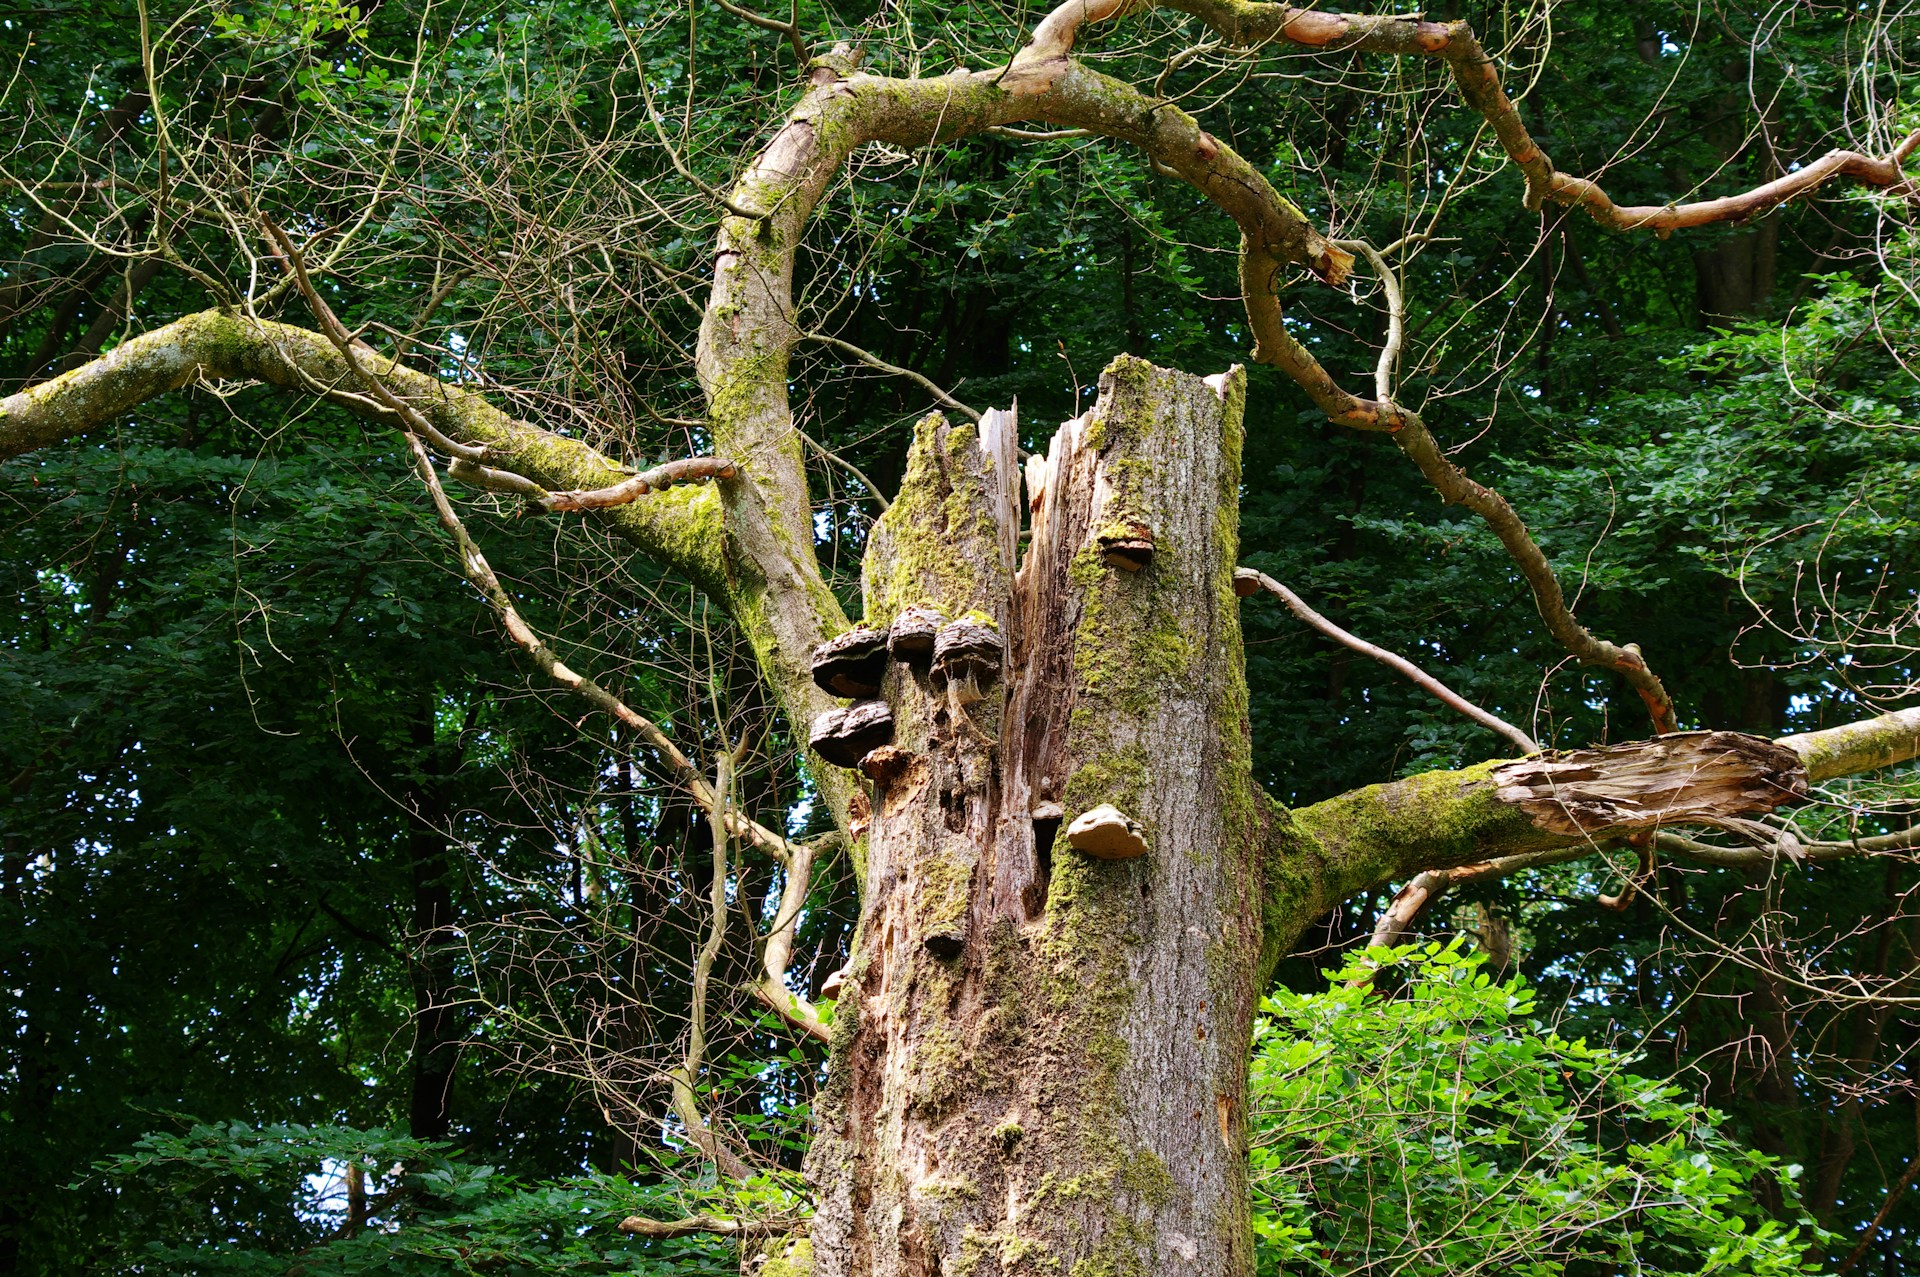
[1685, 778]
[1006, 991]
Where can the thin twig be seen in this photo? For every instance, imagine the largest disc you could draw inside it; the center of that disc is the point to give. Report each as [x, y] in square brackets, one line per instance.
[829, 455]
[1247, 577]
[343, 341]
[874, 361]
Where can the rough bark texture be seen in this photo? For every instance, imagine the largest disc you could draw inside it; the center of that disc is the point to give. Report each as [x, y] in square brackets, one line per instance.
[1684, 778]
[1040, 1057]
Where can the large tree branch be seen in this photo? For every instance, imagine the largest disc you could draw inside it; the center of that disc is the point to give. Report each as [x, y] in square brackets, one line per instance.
[679, 529]
[750, 330]
[1497, 817]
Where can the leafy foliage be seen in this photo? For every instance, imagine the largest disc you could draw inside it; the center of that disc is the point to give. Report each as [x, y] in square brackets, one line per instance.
[1442, 1130]
[235, 1199]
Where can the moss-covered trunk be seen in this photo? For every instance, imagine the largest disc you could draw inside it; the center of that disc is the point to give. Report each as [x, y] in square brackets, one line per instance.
[1040, 1056]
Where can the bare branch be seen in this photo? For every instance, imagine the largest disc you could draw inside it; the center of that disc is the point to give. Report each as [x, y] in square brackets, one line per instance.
[343, 341]
[215, 346]
[658, 479]
[829, 455]
[1389, 362]
[1551, 601]
[685, 1103]
[1245, 579]
[1249, 22]
[940, 396]
[777, 950]
[694, 1225]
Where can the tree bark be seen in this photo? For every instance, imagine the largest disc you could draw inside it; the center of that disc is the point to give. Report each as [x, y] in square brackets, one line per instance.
[1040, 1057]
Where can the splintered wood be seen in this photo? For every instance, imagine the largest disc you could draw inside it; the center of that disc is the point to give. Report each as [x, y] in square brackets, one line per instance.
[1685, 778]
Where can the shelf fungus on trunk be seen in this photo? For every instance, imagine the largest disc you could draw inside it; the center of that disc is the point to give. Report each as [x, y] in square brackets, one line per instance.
[1127, 546]
[966, 658]
[912, 635]
[1106, 833]
[852, 664]
[845, 736]
[887, 762]
[1683, 778]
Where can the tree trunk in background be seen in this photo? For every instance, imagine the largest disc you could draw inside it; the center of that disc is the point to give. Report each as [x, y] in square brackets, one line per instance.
[1733, 280]
[1040, 1057]
[431, 943]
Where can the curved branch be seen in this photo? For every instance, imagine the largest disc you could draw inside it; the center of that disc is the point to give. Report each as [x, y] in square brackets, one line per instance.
[680, 531]
[658, 479]
[1245, 580]
[1250, 22]
[940, 396]
[777, 949]
[831, 457]
[480, 573]
[1455, 487]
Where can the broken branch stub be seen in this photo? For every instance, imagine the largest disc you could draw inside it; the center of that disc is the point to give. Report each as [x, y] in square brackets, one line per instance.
[1685, 778]
[844, 736]
[852, 664]
[882, 765]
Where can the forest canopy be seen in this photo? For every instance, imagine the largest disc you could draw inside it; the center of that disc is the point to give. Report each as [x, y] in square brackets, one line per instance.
[443, 441]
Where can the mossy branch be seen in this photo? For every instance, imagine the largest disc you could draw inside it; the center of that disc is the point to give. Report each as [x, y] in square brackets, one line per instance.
[680, 530]
[1483, 821]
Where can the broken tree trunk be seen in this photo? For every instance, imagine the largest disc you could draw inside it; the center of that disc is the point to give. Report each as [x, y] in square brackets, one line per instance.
[1040, 1055]
[1040, 1049]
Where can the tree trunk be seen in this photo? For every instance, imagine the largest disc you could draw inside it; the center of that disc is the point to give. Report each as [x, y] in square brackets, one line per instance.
[1040, 1056]
[1734, 278]
[431, 952]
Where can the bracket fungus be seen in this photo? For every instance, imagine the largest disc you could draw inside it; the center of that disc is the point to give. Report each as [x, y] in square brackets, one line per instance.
[883, 764]
[830, 987]
[852, 664]
[1106, 833]
[1128, 546]
[844, 736]
[967, 651]
[913, 633]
